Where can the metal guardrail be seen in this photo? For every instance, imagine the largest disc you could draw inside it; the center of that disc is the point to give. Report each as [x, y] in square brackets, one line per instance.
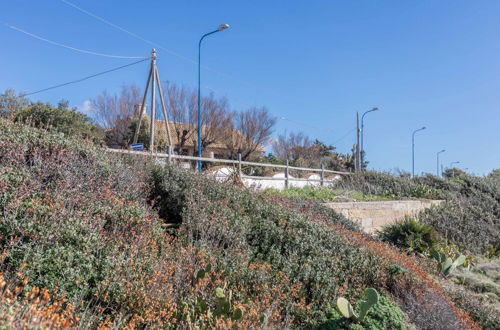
[169, 156]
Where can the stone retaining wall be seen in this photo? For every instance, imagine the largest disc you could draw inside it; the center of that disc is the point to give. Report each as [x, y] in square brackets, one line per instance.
[374, 215]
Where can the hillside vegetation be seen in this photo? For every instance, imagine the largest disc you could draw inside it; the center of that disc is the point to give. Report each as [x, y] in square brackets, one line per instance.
[87, 241]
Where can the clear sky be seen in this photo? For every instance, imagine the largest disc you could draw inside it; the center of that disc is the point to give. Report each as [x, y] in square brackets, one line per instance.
[423, 63]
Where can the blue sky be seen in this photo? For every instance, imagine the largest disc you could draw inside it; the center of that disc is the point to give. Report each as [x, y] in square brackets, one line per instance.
[423, 63]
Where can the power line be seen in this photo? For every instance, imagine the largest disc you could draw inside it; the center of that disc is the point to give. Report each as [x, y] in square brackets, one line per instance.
[152, 43]
[65, 46]
[99, 18]
[305, 124]
[103, 20]
[344, 136]
[85, 78]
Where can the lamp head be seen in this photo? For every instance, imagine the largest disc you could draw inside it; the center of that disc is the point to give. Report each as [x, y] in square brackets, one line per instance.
[375, 109]
[443, 150]
[424, 127]
[222, 27]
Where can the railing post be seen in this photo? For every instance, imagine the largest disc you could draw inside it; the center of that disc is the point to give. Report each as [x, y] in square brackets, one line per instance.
[286, 175]
[239, 165]
[322, 175]
[169, 152]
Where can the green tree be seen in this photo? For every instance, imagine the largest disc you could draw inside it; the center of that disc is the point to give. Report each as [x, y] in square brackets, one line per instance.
[453, 172]
[60, 119]
[10, 103]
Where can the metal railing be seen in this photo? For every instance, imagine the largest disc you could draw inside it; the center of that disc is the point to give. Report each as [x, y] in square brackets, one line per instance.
[170, 157]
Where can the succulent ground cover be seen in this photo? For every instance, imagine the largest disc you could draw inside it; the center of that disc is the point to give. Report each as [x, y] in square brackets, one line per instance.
[84, 242]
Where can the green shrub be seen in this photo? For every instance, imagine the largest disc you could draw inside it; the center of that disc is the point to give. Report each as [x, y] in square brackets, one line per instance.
[470, 217]
[60, 119]
[388, 186]
[384, 315]
[76, 220]
[409, 234]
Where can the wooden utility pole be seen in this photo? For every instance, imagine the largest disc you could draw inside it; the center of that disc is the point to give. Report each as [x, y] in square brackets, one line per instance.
[153, 78]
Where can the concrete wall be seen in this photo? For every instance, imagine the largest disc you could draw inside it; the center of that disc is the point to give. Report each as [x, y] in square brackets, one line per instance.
[222, 173]
[374, 215]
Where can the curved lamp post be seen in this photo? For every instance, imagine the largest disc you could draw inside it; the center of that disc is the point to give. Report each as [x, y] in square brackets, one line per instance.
[413, 150]
[221, 27]
[451, 167]
[437, 166]
[362, 134]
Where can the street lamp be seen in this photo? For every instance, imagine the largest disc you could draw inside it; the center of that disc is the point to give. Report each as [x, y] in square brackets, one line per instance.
[437, 167]
[451, 167]
[362, 134]
[413, 150]
[221, 27]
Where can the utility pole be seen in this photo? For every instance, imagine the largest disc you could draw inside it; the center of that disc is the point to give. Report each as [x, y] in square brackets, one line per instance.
[153, 78]
[358, 149]
[153, 104]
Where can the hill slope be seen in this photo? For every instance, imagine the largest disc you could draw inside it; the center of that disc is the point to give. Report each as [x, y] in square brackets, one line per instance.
[89, 228]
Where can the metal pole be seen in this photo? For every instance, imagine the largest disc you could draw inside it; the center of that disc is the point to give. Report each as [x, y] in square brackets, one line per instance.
[358, 150]
[239, 164]
[286, 175]
[153, 106]
[220, 28]
[452, 168]
[322, 175]
[437, 164]
[363, 133]
[199, 96]
[413, 150]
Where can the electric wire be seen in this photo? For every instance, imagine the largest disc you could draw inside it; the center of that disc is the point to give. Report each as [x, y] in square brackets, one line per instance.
[152, 43]
[15, 28]
[305, 124]
[85, 78]
[344, 136]
[103, 20]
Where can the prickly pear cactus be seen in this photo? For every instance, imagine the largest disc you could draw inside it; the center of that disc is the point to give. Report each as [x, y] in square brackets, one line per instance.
[345, 308]
[446, 265]
[371, 298]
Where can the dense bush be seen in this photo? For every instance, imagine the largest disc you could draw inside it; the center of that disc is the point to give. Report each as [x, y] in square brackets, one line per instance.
[387, 185]
[384, 315]
[224, 219]
[60, 119]
[470, 217]
[409, 234]
[306, 245]
[76, 221]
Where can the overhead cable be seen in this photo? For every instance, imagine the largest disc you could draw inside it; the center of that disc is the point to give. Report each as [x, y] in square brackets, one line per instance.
[152, 43]
[99, 18]
[344, 136]
[85, 78]
[66, 46]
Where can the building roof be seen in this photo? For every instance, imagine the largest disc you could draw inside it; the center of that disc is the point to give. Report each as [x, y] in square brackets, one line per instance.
[223, 137]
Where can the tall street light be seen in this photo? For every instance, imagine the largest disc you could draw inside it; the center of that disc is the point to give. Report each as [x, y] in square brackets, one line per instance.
[437, 166]
[451, 167]
[362, 134]
[221, 27]
[413, 150]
